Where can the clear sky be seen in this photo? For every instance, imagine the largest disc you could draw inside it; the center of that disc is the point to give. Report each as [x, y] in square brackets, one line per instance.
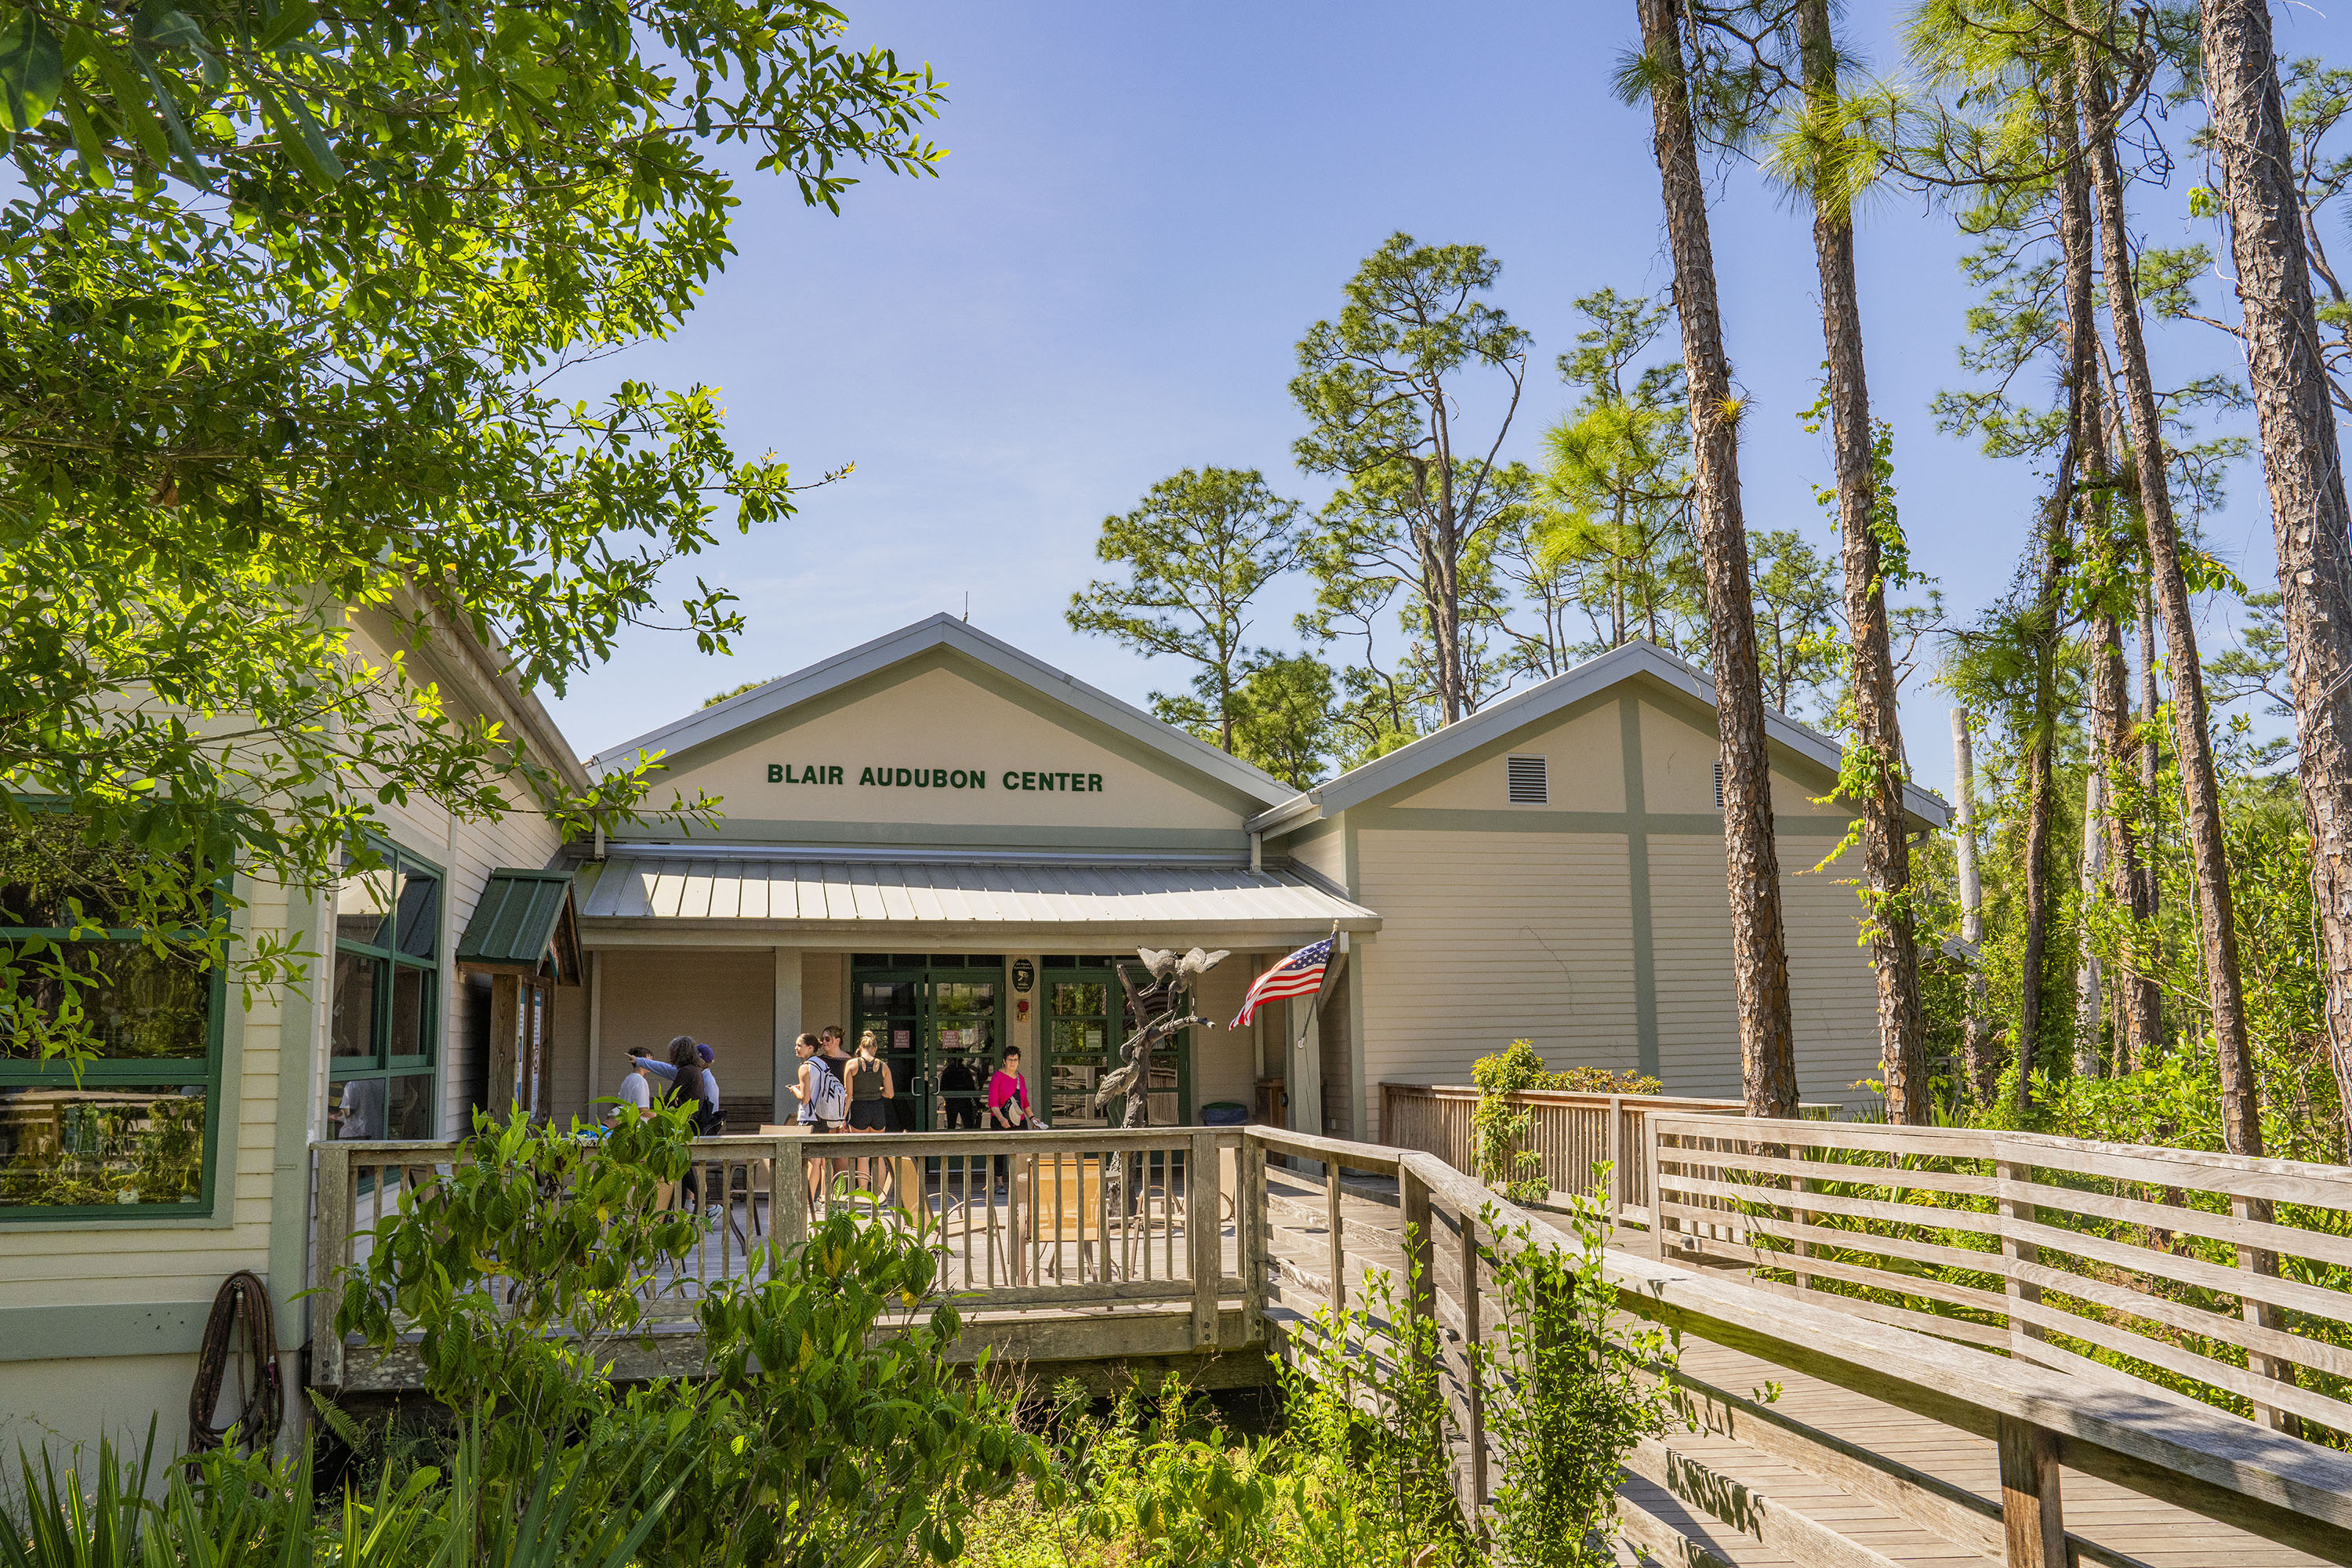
[1143, 209]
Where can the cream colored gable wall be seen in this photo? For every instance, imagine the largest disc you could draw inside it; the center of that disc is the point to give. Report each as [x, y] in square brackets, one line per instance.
[1486, 937]
[936, 720]
[1584, 763]
[1678, 756]
[1326, 855]
[1832, 996]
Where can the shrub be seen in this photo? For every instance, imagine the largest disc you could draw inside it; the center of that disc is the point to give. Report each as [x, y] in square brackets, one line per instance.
[1570, 1390]
[1499, 1128]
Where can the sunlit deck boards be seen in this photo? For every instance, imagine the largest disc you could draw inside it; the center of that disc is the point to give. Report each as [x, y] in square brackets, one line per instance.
[2130, 1527]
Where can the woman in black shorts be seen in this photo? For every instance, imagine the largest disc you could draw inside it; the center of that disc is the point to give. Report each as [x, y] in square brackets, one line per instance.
[871, 1092]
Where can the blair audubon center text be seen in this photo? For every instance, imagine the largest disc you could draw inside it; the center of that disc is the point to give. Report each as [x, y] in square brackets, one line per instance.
[932, 778]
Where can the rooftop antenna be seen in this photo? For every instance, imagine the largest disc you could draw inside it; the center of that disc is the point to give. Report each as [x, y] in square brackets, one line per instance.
[967, 606]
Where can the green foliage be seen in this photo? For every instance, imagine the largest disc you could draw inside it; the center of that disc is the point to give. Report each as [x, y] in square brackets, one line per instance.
[1615, 531]
[1379, 387]
[1197, 552]
[524, 1265]
[283, 291]
[1284, 722]
[1499, 1126]
[1574, 1390]
[831, 1426]
[1799, 623]
[715, 700]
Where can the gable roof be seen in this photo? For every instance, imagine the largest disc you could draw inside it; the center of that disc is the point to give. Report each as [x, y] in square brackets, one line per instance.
[945, 631]
[1491, 724]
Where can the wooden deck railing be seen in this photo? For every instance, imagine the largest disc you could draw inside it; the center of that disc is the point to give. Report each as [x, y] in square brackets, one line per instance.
[1099, 1217]
[1572, 1131]
[2263, 1481]
[2223, 1278]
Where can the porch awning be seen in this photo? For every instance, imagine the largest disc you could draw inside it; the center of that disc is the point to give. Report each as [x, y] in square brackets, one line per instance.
[524, 922]
[649, 890]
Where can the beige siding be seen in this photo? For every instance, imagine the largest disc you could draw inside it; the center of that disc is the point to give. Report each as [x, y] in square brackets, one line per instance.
[1225, 1062]
[1833, 998]
[726, 998]
[1492, 937]
[1326, 855]
[1583, 759]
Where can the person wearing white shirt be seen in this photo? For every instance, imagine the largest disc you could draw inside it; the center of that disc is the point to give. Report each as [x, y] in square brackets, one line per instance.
[635, 1089]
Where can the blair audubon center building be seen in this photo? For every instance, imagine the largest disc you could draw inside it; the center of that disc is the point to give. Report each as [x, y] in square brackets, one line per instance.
[939, 839]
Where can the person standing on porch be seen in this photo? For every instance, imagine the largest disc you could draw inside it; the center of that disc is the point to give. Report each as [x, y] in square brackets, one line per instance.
[1008, 1102]
[813, 1086]
[871, 1092]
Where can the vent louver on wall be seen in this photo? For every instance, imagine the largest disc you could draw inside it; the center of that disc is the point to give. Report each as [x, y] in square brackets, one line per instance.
[1530, 782]
[1718, 786]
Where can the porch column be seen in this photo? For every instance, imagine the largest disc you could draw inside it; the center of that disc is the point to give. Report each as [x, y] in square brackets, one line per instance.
[788, 1029]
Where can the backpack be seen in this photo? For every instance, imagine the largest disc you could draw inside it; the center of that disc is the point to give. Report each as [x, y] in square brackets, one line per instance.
[832, 1094]
[707, 1122]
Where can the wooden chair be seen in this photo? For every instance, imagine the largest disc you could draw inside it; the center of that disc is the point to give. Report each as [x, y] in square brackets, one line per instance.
[1062, 1200]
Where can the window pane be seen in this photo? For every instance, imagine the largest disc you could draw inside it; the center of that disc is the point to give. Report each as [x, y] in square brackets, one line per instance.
[117, 1144]
[46, 864]
[136, 1003]
[420, 914]
[412, 1019]
[362, 903]
[1078, 1000]
[408, 1109]
[353, 1031]
[355, 1107]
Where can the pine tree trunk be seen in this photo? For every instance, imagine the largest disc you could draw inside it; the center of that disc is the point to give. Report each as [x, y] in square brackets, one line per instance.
[2241, 1126]
[1885, 851]
[2301, 463]
[2090, 988]
[2040, 807]
[1977, 1056]
[2151, 770]
[2095, 493]
[1752, 867]
[2138, 1002]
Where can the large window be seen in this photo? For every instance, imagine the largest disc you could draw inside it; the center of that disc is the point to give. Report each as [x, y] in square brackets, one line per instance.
[384, 1034]
[128, 1132]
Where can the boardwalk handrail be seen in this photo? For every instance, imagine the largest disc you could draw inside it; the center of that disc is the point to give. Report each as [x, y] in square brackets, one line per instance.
[2160, 1257]
[2264, 1481]
[1091, 1217]
[1570, 1130]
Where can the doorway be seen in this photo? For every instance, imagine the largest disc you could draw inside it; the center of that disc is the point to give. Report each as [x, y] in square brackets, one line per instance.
[939, 1017]
[1086, 1020]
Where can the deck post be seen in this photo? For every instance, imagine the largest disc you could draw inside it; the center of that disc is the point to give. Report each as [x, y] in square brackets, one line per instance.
[2263, 1315]
[1615, 1143]
[1251, 1241]
[2021, 1335]
[1205, 1232]
[788, 1191]
[1337, 1240]
[2031, 1512]
[1420, 1252]
[333, 1252]
[1476, 1423]
[1655, 1193]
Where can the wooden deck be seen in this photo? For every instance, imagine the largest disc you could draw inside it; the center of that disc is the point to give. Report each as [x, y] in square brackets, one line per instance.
[1818, 1431]
[1733, 1486]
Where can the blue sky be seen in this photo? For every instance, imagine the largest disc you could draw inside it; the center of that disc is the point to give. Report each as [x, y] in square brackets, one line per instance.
[1142, 211]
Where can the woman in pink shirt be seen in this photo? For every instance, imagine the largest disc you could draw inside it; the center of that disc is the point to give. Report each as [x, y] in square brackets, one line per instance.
[1008, 1102]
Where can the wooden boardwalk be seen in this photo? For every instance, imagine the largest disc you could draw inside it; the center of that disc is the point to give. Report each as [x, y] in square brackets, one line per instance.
[1749, 1505]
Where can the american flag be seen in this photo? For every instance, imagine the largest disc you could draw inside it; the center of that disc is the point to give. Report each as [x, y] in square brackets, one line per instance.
[1300, 975]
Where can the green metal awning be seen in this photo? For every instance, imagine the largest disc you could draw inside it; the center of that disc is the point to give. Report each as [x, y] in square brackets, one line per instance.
[524, 922]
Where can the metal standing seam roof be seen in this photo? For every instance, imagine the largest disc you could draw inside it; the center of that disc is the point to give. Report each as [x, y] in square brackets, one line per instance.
[808, 889]
[515, 918]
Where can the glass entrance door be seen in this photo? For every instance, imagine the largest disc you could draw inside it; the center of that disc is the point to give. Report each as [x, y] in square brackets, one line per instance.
[1086, 1020]
[939, 1019]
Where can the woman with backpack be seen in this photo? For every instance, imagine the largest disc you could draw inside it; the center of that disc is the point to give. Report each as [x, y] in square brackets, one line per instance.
[824, 1105]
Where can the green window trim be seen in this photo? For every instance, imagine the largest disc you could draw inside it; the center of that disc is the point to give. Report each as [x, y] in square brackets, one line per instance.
[392, 961]
[94, 1077]
[1094, 970]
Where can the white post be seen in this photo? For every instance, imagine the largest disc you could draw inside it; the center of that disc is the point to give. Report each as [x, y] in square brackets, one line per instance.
[788, 1029]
